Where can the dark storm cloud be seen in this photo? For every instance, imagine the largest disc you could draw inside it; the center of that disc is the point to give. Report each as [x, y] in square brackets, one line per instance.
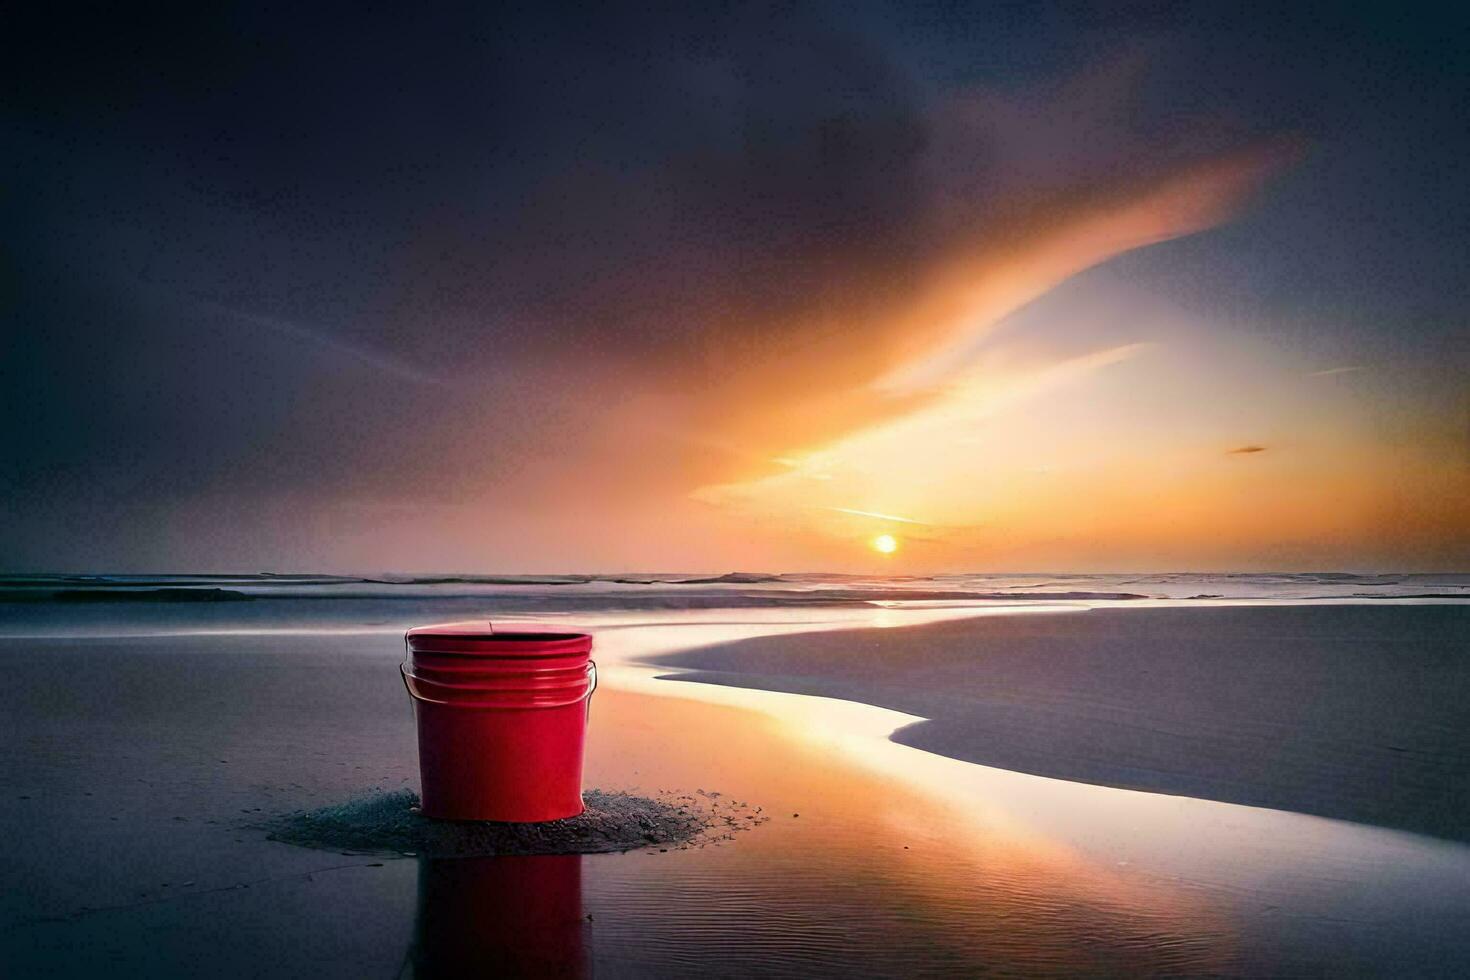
[450, 194]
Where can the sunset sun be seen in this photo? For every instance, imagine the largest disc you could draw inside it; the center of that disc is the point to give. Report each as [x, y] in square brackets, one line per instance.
[885, 544]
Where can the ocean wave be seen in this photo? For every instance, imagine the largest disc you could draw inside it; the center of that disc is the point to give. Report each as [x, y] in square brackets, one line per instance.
[738, 589]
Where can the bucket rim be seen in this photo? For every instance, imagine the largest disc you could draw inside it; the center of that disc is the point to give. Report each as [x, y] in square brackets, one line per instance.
[479, 637]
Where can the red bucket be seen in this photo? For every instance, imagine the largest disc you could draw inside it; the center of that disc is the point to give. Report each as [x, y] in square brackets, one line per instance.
[502, 718]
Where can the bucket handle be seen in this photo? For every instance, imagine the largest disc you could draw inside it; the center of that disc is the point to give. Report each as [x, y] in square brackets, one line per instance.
[591, 686]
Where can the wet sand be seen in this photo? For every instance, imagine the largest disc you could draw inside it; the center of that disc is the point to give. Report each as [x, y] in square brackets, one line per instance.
[139, 769]
[1356, 712]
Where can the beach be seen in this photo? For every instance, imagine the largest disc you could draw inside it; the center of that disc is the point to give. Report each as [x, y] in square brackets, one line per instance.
[1357, 712]
[931, 809]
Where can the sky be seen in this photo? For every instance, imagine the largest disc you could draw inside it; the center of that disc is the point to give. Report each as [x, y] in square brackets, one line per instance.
[479, 288]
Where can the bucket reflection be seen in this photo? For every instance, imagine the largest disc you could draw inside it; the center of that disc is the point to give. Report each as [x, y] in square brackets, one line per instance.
[501, 916]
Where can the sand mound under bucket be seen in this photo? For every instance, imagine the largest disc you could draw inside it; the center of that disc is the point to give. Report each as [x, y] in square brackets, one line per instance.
[389, 822]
